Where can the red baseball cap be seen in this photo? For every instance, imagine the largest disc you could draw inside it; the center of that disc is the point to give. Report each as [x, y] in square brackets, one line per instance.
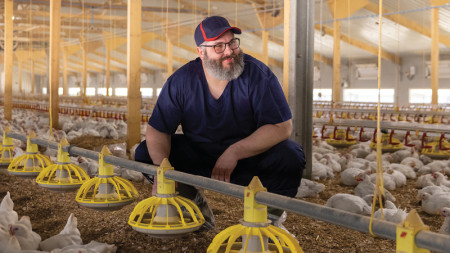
[212, 28]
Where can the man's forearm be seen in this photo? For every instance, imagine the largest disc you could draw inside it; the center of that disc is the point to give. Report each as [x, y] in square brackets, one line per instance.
[158, 144]
[261, 140]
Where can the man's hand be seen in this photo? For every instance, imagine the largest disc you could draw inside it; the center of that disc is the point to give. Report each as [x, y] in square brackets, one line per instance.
[224, 166]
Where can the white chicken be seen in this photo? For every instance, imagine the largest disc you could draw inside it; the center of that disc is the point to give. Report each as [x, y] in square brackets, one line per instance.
[400, 155]
[348, 176]
[7, 214]
[425, 159]
[433, 189]
[388, 181]
[309, 188]
[432, 204]
[321, 171]
[349, 203]
[332, 163]
[89, 165]
[404, 169]
[391, 213]
[366, 187]
[425, 180]
[107, 131]
[399, 178]
[8, 242]
[445, 227]
[28, 239]
[92, 247]
[435, 166]
[70, 235]
[440, 179]
[413, 162]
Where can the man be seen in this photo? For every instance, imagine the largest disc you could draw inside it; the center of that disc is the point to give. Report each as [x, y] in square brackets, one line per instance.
[235, 119]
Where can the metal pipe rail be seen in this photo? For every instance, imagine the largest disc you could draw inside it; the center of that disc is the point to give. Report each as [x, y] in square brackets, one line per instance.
[423, 239]
[374, 111]
[445, 129]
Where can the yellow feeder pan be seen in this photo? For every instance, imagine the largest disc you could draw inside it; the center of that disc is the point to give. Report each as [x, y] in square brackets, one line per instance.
[254, 232]
[31, 163]
[388, 142]
[341, 138]
[6, 150]
[106, 192]
[62, 176]
[166, 215]
[436, 150]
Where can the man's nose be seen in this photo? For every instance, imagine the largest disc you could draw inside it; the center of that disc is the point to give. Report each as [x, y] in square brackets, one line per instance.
[228, 50]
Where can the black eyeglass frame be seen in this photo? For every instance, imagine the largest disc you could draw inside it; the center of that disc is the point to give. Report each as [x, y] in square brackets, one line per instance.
[225, 47]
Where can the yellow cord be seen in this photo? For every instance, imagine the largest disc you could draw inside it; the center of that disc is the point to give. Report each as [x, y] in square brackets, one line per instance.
[379, 187]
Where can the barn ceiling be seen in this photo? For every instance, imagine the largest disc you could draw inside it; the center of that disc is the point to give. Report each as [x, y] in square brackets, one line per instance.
[98, 25]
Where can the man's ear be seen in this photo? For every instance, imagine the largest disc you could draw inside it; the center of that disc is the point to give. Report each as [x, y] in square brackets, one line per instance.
[200, 52]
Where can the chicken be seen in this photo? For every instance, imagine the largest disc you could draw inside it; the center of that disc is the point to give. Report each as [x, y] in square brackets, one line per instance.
[92, 247]
[309, 188]
[398, 177]
[348, 176]
[425, 159]
[388, 181]
[440, 179]
[404, 169]
[435, 166]
[432, 190]
[8, 242]
[89, 165]
[349, 203]
[332, 163]
[391, 214]
[400, 155]
[70, 235]
[425, 180]
[323, 145]
[7, 214]
[28, 239]
[432, 204]
[107, 131]
[321, 171]
[445, 228]
[366, 187]
[413, 162]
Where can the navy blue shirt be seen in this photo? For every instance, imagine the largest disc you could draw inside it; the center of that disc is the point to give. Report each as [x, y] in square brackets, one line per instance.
[252, 100]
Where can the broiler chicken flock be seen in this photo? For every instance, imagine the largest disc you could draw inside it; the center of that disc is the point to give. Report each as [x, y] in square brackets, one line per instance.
[18, 235]
[358, 169]
[355, 167]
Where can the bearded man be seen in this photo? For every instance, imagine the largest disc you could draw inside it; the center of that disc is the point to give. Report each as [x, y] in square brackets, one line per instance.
[235, 119]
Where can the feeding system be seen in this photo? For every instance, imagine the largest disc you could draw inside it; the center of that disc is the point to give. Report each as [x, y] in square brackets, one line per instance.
[6, 150]
[63, 176]
[31, 163]
[341, 138]
[388, 142]
[436, 149]
[166, 215]
[254, 234]
[106, 191]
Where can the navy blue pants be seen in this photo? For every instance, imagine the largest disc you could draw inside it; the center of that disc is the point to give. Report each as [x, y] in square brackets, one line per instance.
[279, 168]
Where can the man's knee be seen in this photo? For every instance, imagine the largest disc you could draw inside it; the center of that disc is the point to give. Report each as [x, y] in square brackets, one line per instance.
[290, 154]
[141, 153]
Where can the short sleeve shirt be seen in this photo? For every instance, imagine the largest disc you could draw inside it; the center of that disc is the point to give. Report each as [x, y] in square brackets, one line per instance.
[252, 100]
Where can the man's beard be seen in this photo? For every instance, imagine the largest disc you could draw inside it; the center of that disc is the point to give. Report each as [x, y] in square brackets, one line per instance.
[216, 69]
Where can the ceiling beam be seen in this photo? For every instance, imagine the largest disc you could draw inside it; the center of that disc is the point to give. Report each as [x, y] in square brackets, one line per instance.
[156, 51]
[320, 58]
[362, 45]
[408, 23]
[154, 63]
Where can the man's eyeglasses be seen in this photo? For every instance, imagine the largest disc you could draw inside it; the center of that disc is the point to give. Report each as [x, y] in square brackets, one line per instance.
[220, 47]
